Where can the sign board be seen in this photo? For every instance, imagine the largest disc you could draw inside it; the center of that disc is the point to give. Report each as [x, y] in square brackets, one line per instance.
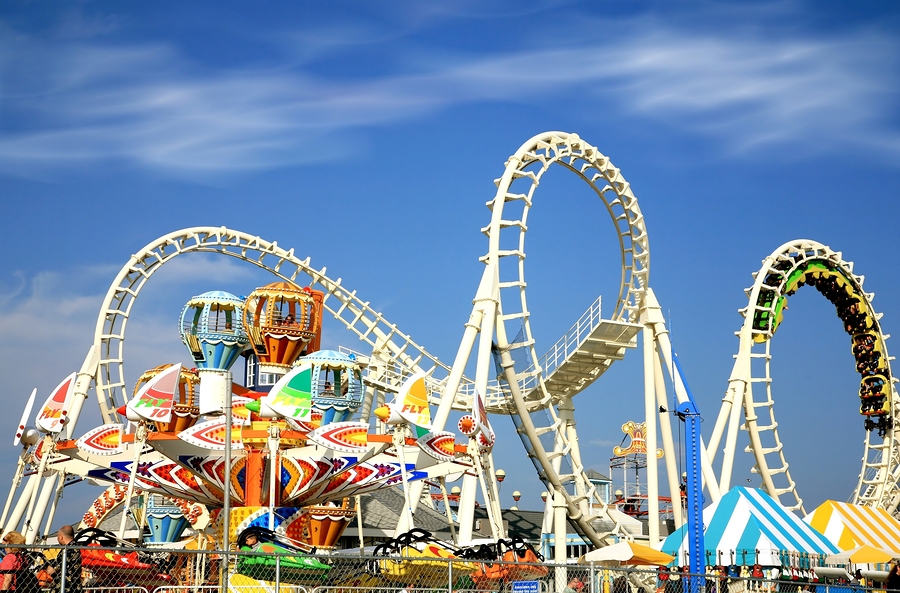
[525, 587]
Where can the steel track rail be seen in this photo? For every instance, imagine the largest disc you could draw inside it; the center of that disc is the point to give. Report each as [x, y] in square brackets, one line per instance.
[751, 387]
[398, 354]
[506, 234]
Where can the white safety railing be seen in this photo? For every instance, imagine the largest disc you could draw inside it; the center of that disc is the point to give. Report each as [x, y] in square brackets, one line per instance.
[555, 357]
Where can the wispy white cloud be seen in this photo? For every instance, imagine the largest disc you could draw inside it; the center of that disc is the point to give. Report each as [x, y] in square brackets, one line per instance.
[49, 320]
[756, 92]
[147, 105]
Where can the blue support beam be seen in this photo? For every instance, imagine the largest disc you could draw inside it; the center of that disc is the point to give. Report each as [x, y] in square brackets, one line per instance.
[687, 412]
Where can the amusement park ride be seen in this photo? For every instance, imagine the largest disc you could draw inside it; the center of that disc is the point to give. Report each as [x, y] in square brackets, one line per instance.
[291, 458]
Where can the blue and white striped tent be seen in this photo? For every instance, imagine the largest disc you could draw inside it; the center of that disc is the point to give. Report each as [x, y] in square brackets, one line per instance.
[747, 526]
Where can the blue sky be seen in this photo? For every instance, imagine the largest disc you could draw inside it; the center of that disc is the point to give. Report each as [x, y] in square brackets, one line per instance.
[367, 137]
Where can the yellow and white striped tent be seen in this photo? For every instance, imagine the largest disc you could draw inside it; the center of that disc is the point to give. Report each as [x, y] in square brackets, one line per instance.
[849, 526]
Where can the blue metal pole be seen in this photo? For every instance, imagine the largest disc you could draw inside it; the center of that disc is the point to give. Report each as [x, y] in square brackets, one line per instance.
[688, 413]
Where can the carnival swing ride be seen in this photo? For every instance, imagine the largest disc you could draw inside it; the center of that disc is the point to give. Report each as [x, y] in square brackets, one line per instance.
[289, 454]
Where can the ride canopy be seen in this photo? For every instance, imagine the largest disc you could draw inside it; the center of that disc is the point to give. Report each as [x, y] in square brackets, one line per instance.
[747, 526]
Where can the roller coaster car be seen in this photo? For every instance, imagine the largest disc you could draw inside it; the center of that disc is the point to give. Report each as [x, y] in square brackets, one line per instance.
[869, 367]
[872, 386]
[508, 560]
[117, 567]
[762, 317]
[407, 559]
[765, 298]
[833, 284]
[857, 323]
[767, 320]
[870, 353]
[274, 556]
[882, 423]
[808, 273]
[865, 343]
[875, 406]
[773, 279]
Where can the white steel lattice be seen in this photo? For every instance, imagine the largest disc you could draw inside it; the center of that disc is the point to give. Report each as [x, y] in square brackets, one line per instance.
[399, 355]
[751, 389]
[510, 208]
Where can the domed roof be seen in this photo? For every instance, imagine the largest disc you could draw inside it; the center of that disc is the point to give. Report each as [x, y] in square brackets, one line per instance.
[276, 288]
[215, 296]
[330, 359]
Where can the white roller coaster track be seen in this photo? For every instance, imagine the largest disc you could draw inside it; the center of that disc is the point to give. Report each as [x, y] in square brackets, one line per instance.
[504, 290]
[548, 384]
[750, 389]
[395, 352]
[398, 354]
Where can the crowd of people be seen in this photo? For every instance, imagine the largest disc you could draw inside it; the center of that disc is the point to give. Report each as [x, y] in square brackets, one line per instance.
[857, 321]
[721, 579]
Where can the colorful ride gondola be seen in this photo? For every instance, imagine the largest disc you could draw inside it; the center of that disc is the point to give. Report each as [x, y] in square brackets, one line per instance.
[283, 322]
[505, 561]
[116, 567]
[275, 558]
[185, 411]
[417, 558]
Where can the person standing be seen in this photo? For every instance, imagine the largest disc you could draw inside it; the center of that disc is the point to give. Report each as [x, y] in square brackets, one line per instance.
[12, 560]
[893, 578]
[65, 536]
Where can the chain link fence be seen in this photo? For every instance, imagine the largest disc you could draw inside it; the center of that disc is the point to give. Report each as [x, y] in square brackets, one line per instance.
[155, 570]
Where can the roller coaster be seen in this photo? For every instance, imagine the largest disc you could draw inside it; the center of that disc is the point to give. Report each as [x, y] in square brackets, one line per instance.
[541, 396]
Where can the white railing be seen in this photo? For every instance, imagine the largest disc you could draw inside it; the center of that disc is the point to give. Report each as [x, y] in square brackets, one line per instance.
[555, 357]
[571, 341]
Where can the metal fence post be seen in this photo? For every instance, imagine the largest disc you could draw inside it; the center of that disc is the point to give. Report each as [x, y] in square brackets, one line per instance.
[449, 576]
[62, 574]
[277, 572]
[223, 570]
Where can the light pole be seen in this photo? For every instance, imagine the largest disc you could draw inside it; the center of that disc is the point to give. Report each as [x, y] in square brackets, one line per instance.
[516, 496]
[500, 475]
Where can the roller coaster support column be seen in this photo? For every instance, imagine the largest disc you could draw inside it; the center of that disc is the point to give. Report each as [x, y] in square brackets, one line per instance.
[665, 426]
[473, 326]
[560, 531]
[481, 321]
[650, 415]
[687, 412]
[574, 513]
[651, 317]
[566, 411]
[730, 414]
[733, 404]
[664, 347]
